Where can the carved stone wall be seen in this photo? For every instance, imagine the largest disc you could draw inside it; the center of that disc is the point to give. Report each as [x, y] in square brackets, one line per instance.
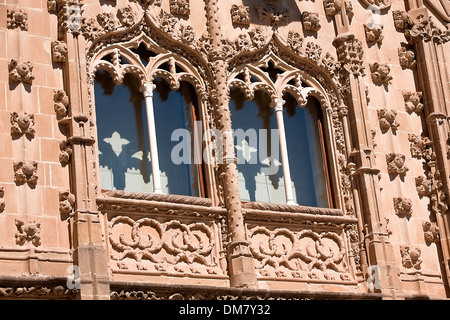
[378, 70]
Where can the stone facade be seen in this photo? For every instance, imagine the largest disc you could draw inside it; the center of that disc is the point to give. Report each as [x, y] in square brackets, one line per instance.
[380, 71]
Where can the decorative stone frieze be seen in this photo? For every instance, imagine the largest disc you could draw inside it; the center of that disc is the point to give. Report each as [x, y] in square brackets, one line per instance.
[396, 164]
[17, 18]
[403, 207]
[240, 14]
[59, 51]
[413, 101]
[380, 73]
[310, 21]
[387, 120]
[38, 291]
[411, 257]
[374, 33]
[25, 172]
[22, 124]
[20, 71]
[28, 232]
[406, 57]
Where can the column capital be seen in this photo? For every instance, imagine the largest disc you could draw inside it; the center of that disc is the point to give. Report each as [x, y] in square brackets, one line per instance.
[147, 89]
[279, 103]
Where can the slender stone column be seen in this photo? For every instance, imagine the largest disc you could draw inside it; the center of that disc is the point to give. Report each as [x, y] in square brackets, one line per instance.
[284, 153]
[241, 267]
[148, 94]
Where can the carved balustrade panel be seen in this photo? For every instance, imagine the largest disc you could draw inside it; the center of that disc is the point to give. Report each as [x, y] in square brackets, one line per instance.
[150, 237]
[301, 245]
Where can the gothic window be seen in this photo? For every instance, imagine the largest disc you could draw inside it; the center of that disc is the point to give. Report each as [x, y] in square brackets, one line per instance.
[279, 138]
[148, 131]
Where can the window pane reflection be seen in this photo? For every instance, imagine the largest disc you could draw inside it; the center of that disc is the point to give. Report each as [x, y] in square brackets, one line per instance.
[251, 117]
[305, 153]
[122, 135]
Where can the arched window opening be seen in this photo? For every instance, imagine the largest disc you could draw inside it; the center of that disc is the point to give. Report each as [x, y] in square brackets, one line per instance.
[123, 137]
[259, 149]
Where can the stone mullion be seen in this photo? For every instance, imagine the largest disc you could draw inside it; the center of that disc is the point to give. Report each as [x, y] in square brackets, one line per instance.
[434, 83]
[89, 253]
[241, 265]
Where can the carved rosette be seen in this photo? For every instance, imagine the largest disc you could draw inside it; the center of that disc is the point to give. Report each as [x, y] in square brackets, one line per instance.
[374, 33]
[387, 120]
[17, 18]
[28, 232]
[406, 57]
[403, 207]
[20, 71]
[396, 164]
[25, 172]
[380, 73]
[59, 51]
[411, 257]
[180, 7]
[240, 14]
[22, 124]
[66, 202]
[310, 21]
[413, 101]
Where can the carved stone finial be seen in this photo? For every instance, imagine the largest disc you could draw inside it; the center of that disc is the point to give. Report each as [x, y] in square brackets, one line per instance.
[387, 120]
[380, 73]
[17, 18]
[20, 71]
[59, 51]
[22, 124]
[311, 21]
[403, 207]
[240, 14]
[396, 164]
[413, 101]
[25, 172]
[28, 232]
[411, 257]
